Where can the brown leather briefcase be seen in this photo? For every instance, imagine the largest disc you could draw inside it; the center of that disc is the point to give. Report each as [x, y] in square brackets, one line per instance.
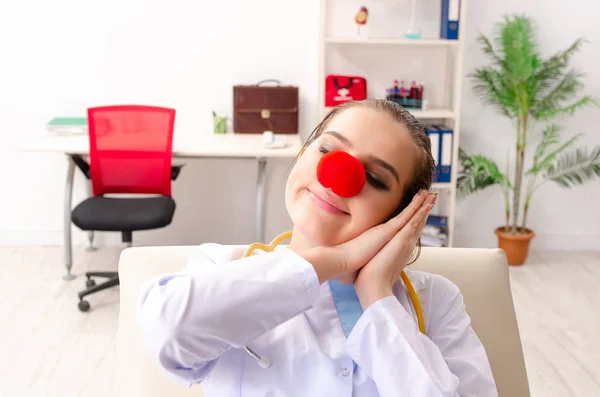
[258, 108]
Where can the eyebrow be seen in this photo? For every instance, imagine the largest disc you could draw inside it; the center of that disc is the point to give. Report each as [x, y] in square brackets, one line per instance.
[374, 159]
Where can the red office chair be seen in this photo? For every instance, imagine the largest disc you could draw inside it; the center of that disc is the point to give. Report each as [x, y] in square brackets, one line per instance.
[130, 152]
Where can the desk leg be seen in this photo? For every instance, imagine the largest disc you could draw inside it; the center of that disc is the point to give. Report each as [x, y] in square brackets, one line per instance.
[260, 200]
[67, 218]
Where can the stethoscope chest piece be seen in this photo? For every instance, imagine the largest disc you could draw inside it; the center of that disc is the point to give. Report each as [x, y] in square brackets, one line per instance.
[263, 362]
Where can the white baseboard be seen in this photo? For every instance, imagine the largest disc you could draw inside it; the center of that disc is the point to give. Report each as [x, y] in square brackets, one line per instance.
[567, 242]
[562, 242]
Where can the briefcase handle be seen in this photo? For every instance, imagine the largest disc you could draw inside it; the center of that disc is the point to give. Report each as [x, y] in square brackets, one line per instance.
[269, 80]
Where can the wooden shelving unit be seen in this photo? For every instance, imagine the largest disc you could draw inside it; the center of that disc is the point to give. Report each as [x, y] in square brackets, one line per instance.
[445, 110]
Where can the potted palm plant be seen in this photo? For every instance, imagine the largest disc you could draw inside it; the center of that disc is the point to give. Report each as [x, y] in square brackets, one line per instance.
[535, 93]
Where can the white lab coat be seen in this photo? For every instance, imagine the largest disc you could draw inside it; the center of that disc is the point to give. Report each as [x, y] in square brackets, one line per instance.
[196, 323]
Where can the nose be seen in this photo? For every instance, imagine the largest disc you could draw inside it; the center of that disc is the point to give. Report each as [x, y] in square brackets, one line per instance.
[341, 172]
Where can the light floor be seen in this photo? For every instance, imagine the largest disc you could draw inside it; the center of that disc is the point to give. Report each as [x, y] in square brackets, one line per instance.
[48, 348]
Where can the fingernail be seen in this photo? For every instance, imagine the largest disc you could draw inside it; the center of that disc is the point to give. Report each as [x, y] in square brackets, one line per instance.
[418, 195]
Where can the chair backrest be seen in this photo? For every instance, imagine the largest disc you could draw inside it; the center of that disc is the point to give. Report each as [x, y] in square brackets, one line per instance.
[481, 275]
[131, 149]
[483, 279]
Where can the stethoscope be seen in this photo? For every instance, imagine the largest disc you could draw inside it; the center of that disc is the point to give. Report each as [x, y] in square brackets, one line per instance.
[346, 176]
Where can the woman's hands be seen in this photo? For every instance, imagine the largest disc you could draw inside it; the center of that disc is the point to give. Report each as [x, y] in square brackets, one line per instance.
[342, 262]
[376, 279]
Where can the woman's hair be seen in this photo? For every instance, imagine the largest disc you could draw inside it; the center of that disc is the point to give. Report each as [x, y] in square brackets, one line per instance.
[424, 167]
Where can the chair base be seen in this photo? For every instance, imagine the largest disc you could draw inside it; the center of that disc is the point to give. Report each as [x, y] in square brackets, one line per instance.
[113, 280]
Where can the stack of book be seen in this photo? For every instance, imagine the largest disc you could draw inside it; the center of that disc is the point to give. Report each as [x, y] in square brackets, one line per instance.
[68, 126]
[435, 232]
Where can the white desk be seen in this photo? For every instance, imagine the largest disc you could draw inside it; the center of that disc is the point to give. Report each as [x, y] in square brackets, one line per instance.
[208, 146]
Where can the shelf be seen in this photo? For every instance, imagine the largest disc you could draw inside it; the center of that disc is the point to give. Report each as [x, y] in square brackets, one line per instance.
[442, 186]
[428, 114]
[433, 114]
[392, 41]
[338, 48]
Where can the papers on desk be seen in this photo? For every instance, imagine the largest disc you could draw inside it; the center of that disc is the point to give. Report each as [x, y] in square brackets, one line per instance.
[273, 141]
[67, 126]
[435, 232]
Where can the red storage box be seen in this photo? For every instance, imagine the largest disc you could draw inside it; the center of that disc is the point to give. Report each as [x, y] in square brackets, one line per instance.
[340, 89]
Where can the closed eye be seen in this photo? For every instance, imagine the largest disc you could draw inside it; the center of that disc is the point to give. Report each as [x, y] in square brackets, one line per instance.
[376, 183]
[371, 179]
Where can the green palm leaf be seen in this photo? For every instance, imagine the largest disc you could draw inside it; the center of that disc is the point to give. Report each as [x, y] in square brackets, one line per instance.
[566, 88]
[543, 161]
[490, 86]
[549, 138]
[575, 167]
[553, 69]
[569, 109]
[516, 38]
[477, 173]
[547, 161]
[488, 49]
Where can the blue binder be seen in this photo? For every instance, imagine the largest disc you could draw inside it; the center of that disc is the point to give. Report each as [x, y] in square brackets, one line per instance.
[445, 153]
[434, 137]
[450, 19]
[440, 221]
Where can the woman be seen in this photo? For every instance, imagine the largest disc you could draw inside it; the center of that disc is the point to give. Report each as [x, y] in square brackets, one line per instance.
[288, 306]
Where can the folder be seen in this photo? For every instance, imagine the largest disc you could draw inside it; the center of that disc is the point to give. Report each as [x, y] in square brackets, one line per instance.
[440, 221]
[434, 137]
[445, 153]
[450, 19]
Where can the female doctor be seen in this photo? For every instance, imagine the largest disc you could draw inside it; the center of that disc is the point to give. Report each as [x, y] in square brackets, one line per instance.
[327, 315]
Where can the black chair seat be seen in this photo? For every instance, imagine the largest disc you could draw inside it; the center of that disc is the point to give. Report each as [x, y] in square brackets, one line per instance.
[123, 214]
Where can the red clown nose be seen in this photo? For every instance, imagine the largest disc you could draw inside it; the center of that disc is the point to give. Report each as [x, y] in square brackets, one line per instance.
[341, 172]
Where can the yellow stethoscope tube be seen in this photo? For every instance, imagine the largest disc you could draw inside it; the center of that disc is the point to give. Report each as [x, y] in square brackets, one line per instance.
[412, 293]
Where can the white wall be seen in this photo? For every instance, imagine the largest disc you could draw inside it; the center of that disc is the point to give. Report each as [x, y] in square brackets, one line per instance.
[59, 57]
[68, 55]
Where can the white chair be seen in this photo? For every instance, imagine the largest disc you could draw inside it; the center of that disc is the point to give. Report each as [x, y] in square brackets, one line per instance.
[481, 275]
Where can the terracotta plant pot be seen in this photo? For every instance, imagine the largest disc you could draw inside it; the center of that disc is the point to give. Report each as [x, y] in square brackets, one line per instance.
[516, 246]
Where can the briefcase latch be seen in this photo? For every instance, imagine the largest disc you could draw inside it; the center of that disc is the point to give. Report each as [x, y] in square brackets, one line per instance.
[265, 113]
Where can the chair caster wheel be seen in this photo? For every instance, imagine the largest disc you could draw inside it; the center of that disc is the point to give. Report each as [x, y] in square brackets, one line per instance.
[89, 283]
[84, 306]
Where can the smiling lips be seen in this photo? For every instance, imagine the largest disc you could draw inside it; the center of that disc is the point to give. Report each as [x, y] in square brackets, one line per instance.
[327, 203]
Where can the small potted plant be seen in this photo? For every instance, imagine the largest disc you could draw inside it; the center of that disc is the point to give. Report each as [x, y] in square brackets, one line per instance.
[526, 87]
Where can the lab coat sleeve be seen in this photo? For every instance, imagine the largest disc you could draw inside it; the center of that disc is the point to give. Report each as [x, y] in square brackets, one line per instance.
[450, 362]
[189, 319]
